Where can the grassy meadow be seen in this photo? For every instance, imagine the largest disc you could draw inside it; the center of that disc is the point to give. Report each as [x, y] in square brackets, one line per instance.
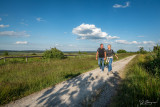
[141, 85]
[19, 79]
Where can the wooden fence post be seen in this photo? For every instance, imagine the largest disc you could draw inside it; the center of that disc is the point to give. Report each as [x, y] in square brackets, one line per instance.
[26, 59]
[4, 59]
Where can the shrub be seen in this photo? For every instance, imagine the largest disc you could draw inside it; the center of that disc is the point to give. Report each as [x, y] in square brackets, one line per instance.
[157, 51]
[34, 54]
[53, 53]
[153, 62]
[121, 51]
[84, 52]
[6, 53]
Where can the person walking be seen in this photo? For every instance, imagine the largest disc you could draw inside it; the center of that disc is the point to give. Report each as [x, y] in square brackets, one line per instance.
[109, 54]
[102, 56]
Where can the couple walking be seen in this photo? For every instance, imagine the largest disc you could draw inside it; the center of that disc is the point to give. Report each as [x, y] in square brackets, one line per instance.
[102, 53]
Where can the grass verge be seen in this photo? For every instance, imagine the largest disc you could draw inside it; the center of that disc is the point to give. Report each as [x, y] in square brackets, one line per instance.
[19, 79]
[140, 87]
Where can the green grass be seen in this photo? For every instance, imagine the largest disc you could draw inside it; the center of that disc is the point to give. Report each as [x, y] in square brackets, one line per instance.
[37, 59]
[19, 79]
[138, 86]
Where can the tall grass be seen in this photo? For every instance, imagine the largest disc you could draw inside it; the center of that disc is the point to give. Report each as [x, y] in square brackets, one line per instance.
[19, 79]
[140, 87]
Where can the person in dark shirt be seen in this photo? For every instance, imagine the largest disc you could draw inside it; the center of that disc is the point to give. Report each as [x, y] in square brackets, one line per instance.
[102, 56]
[109, 54]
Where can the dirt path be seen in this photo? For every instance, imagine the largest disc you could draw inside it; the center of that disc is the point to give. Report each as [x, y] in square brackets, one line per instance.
[77, 92]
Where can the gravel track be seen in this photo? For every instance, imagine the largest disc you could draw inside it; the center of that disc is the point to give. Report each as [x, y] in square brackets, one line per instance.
[92, 88]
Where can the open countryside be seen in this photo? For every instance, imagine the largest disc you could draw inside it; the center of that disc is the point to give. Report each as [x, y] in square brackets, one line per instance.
[79, 53]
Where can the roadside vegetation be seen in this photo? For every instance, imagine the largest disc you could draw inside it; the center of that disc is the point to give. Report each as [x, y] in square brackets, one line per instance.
[53, 53]
[121, 51]
[141, 85]
[19, 79]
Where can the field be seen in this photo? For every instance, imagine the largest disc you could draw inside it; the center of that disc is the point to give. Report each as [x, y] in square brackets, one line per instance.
[141, 84]
[19, 79]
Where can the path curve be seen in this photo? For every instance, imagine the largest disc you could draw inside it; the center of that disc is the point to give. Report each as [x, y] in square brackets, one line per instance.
[77, 92]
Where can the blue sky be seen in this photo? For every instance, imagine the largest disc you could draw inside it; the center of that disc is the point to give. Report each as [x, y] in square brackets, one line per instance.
[73, 25]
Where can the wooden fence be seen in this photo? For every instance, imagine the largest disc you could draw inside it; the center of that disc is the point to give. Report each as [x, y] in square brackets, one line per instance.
[4, 58]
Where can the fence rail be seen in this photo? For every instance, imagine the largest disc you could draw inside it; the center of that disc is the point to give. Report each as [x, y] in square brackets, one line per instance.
[4, 58]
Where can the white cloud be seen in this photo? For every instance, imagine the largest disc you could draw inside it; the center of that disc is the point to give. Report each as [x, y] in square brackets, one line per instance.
[140, 36]
[14, 34]
[21, 42]
[121, 6]
[39, 19]
[71, 45]
[122, 42]
[112, 37]
[3, 26]
[90, 31]
[135, 42]
[0, 19]
[149, 43]
[126, 42]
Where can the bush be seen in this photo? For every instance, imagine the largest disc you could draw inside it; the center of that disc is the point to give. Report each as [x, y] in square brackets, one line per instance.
[121, 51]
[6, 53]
[157, 51]
[84, 52]
[153, 62]
[34, 54]
[53, 53]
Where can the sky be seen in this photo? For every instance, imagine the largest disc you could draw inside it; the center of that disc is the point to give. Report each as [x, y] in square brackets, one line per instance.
[73, 25]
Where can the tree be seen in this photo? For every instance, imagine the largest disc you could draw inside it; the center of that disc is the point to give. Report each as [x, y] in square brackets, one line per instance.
[121, 51]
[53, 53]
[142, 51]
[155, 48]
[79, 52]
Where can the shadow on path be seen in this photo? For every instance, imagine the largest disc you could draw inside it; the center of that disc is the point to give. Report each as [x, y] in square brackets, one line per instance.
[79, 91]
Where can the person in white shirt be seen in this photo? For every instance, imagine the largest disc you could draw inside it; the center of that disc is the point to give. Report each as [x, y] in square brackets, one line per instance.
[109, 55]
